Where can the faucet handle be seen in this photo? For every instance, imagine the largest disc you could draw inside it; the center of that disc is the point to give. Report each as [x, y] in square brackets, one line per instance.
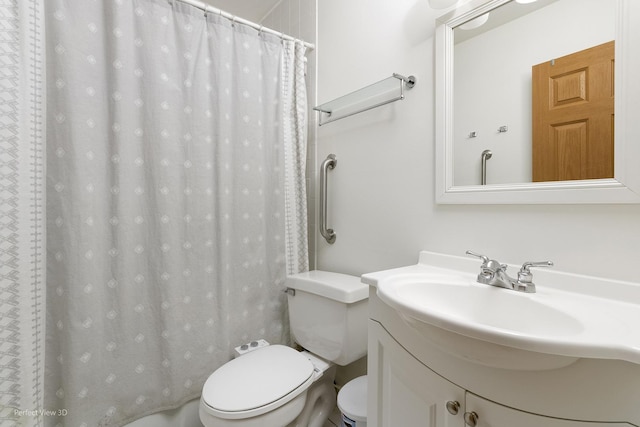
[484, 258]
[525, 276]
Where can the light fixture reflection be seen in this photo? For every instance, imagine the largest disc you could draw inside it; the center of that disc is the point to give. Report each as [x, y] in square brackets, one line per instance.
[525, 1]
[441, 4]
[475, 23]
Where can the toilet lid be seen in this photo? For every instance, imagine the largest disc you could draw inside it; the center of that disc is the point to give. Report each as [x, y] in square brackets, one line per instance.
[256, 379]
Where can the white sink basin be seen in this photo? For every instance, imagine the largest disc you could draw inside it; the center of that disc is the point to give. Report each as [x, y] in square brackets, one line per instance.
[440, 298]
[467, 304]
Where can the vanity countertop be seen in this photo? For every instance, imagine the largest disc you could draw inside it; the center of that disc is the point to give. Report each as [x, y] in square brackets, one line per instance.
[569, 315]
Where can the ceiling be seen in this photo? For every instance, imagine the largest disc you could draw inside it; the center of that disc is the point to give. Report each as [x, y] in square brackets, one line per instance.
[252, 10]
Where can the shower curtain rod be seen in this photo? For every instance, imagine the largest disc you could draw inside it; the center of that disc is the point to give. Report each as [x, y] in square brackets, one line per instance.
[210, 9]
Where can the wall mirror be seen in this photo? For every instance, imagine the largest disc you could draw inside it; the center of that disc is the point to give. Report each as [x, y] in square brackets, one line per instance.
[512, 89]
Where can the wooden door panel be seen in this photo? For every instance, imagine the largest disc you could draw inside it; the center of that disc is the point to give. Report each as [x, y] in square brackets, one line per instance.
[570, 140]
[569, 88]
[573, 102]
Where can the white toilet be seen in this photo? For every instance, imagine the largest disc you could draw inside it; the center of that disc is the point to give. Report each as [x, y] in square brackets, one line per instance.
[277, 386]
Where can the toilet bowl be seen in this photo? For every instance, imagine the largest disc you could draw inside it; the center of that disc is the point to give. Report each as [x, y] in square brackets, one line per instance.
[279, 386]
[270, 386]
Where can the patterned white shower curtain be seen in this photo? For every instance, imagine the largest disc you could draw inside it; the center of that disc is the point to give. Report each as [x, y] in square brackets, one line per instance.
[170, 139]
[22, 213]
[295, 142]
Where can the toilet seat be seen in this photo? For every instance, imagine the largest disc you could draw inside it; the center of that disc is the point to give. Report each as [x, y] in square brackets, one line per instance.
[258, 382]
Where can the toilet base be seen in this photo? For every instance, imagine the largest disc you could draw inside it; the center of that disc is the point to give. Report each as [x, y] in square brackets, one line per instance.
[280, 416]
[321, 401]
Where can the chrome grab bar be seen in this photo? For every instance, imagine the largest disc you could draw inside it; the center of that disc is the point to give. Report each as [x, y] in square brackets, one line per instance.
[486, 155]
[328, 233]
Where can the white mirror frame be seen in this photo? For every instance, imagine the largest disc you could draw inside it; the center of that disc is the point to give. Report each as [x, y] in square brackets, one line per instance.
[623, 188]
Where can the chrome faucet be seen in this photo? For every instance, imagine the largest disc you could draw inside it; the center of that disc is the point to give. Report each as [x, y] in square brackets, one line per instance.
[495, 274]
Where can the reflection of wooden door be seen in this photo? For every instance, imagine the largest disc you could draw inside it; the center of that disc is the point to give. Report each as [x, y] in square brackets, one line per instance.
[573, 116]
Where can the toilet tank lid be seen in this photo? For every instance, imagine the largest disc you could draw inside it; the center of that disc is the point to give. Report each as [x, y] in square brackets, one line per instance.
[336, 286]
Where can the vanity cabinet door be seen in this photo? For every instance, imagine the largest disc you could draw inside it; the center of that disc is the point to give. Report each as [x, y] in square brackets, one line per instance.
[403, 391]
[491, 414]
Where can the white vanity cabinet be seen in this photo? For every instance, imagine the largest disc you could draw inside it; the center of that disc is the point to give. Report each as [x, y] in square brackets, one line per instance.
[405, 392]
[567, 355]
[493, 415]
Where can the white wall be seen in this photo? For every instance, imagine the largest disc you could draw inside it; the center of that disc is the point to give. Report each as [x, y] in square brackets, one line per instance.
[493, 74]
[382, 191]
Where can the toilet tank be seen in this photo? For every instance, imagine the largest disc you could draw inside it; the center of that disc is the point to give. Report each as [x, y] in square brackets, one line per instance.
[328, 314]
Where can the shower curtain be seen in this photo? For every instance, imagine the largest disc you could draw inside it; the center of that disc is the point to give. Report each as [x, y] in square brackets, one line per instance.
[175, 205]
[22, 213]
